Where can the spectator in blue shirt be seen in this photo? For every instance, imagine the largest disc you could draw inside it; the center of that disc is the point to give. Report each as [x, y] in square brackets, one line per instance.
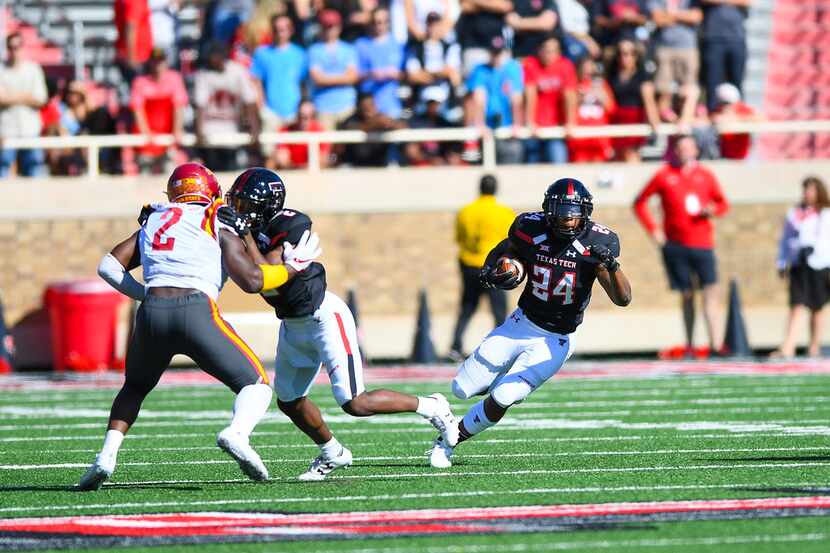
[333, 71]
[280, 70]
[496, 91]
[380, 60]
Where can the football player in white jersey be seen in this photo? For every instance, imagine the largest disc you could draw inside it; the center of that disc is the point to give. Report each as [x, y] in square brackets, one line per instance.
[184, 251]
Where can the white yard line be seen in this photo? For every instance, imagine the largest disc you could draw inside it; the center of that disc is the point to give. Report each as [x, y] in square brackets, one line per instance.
[525, 423]
[118, 507]
[551, 401]
[587, 545]
[358, 458]
[338, 417]
[308, 445]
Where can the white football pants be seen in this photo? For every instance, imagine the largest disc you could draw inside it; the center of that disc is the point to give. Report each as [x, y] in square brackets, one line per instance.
[328, 337]
[512, 361]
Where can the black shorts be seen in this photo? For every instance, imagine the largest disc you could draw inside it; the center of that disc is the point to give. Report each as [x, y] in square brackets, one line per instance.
[682, 262]
[192, 326]
[809, 287]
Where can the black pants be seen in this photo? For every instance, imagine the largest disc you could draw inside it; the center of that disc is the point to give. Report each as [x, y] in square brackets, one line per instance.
[724, 61]
[470, 294]
[189, 325]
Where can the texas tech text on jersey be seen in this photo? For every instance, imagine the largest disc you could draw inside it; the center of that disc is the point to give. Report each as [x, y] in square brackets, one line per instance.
[560, 271]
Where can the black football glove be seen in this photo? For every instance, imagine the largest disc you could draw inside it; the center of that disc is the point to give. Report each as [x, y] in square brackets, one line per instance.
[491, 277]
[228, 216]
[605, 257]
[146, 211]
[484, 278]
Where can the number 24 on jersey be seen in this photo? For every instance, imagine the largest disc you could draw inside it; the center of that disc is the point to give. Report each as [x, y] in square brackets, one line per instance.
[544, 289]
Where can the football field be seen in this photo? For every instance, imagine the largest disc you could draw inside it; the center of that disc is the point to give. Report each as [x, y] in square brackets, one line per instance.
[637, 456]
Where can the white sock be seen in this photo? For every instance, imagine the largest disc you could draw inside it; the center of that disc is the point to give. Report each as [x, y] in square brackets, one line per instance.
[331, 448]
[427, 406]
[252, 403]
[112, 442]
[476, 420]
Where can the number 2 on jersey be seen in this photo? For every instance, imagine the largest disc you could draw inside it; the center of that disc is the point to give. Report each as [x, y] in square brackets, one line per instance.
[171, 217]
[542, 286]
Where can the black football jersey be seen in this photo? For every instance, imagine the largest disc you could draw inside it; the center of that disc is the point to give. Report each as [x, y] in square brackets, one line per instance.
[304, 293]
[560, 271]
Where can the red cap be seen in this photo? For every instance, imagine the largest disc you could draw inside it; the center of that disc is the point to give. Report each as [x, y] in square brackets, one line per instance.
[330, 18]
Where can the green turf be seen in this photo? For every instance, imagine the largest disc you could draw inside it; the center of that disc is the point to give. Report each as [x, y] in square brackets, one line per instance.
[573, 441]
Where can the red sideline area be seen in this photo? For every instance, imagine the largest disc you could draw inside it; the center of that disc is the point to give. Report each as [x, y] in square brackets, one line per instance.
[373, 522]
[440, 373]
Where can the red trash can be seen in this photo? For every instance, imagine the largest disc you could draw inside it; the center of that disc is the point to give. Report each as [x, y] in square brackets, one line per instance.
[83, 316]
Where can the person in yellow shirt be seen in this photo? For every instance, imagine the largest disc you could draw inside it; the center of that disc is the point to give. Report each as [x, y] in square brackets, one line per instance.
[479, 226]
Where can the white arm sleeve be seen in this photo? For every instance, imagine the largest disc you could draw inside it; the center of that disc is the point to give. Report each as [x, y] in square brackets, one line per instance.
[111, 270]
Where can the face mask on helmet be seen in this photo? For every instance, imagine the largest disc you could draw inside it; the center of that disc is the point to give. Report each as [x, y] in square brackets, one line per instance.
[255, 212]
[566, 218]
[257, 195]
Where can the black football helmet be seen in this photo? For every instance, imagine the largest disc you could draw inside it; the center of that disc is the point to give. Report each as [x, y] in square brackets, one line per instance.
[257, 195]
[567, 199]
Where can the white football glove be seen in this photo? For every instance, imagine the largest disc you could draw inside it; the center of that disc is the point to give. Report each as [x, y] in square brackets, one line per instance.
[299, 257]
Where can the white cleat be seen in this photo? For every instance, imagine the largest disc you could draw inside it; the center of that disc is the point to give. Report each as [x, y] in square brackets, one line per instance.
[97, 473]
[444, 421]
[320, 467]
[440, 454]
[236, 445]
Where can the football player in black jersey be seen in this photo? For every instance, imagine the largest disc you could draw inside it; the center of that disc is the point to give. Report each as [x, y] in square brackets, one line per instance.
[317, 328]
[563, 251]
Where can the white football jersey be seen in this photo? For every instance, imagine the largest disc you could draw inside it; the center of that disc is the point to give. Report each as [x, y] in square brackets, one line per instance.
[179, 246]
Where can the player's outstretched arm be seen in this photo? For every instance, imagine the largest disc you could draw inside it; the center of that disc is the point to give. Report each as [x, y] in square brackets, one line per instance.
[616, 285]
[610, 276]
[241, 268]
[115, 265]
[254, 278]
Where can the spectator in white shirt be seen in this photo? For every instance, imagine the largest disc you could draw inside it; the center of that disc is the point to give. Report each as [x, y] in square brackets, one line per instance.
[575, 21]
[22, 94]
[224, 97]
[804, 257]
[433, 66]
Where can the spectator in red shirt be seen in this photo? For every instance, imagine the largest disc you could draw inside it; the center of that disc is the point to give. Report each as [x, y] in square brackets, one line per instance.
[595, 104]
[135, 37]
[158, 100]
[690, 196]
[550, 89]
[732, 110]
[295, 156]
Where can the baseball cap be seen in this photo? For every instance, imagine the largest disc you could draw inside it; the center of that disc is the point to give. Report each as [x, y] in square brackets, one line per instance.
[330, 18]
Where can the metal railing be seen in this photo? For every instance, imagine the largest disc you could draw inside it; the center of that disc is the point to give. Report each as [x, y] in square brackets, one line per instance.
[488, 138]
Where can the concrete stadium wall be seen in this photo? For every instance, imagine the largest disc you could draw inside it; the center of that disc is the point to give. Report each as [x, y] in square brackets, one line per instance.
[388, 233]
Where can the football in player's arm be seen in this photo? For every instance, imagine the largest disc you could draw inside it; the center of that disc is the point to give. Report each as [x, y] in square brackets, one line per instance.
[608, 271]
[563, 252]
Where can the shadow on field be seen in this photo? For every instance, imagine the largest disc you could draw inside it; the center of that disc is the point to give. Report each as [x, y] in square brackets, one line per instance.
[73, 489]
[785, 489]
[37, 488]
[824, 457]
